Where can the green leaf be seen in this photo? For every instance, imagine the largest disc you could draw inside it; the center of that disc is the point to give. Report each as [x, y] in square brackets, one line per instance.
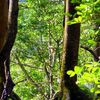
[78, 69]
[88, 65]
[92, 42]
[92, 89]
[71, 73]
[79, 13]
[88, 77]
[95, 69]
[80, 19]
[97, 91]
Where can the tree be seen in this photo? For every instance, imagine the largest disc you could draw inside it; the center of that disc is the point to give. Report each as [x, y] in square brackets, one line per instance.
[69, 89]
[6, 83]
[3, 32]
[3, 22]
[36, 53]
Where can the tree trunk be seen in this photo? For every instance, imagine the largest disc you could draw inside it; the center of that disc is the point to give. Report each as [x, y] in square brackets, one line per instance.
[3, 22]
[69, 89]
[7, 84]
[3, 32]
[70, 51]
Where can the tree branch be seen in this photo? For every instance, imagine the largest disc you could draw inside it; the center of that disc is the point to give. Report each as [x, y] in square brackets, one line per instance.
[27, 65]
[91, 51]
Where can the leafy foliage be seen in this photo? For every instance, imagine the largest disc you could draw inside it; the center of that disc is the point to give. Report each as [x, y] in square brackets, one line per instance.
[38, 46]
[89, 76]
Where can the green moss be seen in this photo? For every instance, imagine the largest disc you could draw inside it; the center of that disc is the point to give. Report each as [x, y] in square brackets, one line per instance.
[65, 94]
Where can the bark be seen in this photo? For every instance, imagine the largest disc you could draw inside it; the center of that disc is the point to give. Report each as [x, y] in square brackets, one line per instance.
[69, 89]
[3, 22]
[70, 52]
[7, 84]
[3, 32]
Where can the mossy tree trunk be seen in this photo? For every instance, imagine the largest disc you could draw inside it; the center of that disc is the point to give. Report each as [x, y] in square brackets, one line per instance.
[70, 51]
[69, 89]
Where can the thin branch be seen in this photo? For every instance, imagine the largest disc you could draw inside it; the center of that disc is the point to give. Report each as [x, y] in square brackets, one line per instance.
[91, 51]
[27, 65]
[97, 48]
[47, 72]
[53, 37]
[20, 81]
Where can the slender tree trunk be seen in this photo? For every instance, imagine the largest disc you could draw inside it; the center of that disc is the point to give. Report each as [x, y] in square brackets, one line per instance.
[64, 89]
[50, 66]
[7, 83]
